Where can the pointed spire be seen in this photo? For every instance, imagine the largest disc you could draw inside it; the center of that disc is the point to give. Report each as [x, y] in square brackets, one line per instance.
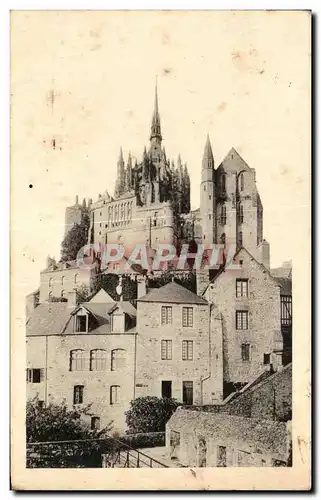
[156, 127]
[121, 157]
[208, 158]
[84, 203]
[129, 163]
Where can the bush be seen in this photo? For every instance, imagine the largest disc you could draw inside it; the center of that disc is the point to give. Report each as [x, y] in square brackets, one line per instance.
[150, 414]
[144, 439]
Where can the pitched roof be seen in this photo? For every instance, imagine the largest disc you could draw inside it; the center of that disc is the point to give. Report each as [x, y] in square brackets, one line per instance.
[285, 285]
[172, 292]
[126, 306]
[48, 318]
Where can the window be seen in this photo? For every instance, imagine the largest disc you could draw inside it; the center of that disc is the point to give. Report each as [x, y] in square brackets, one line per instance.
[76, 278]
[286, 310]
[188, 393]
[240, 215]
[242, 320]
[166, 388]
[187, 316]
[210, 216]
[187, 350]
[204, 187]
[78, 394]
[118, 359]
[266, 359]
[77, 360]
[241, 288]
[221, 456]
[50, 295]
[223, 183]
[62, 294]
[166, 315]
[50, 282]
[209, 196]
[242, 182]
[166, 349]
[241, 262]
[223, 215]
[81, 323]
[63, 279]
[35, 375]
[98, 360]
[95, 423]
[240, 239]
[114, 394]
[41, 404]
[245, 352]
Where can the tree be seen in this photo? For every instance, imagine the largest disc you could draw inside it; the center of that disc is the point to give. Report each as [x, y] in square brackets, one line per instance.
[150, 414]
[83, 293]
[57, 423]
[75, 239]
[58, 437]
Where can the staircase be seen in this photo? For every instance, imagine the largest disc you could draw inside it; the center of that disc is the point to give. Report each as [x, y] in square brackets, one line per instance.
[130, 458]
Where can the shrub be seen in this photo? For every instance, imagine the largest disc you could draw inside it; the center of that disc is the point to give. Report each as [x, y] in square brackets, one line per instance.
[150, 414]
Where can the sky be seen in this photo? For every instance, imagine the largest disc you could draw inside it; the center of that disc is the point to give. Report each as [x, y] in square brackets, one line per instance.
[87, 79]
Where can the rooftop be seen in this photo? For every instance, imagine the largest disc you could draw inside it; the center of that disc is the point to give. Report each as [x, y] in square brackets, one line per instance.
[174, 293]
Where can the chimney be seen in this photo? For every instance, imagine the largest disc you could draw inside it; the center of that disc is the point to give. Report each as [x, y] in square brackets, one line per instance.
[72, 299]
[141, 286]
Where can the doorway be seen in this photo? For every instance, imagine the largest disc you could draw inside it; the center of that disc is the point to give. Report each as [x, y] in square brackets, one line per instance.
[188, 393]
[166, 388]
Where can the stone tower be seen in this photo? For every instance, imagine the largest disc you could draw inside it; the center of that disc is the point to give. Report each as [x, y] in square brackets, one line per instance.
[120, 181]
[155, 151]
[207, 198]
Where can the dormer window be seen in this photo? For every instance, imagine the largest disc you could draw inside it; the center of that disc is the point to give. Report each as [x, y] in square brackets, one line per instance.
[81, 323]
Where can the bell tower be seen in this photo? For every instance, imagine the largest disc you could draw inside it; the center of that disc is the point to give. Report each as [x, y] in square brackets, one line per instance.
[207, 198]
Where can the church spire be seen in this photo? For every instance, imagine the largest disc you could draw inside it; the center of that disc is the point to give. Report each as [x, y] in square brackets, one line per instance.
[208, 158]
[156, 127]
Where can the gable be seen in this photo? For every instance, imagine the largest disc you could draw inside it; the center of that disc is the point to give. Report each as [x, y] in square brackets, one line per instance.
[101, 297]
[233, 162]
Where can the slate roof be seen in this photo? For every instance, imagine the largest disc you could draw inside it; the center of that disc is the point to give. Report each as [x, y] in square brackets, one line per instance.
[265, 435]
[172, 292]
[48, 318]
[285, 284]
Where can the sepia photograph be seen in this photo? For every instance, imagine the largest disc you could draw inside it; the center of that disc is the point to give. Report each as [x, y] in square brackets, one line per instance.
[160, 250]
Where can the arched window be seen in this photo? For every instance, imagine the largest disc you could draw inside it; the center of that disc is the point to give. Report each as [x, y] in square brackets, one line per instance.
[63, 280]
[63, 294]
[242, 182]
[77, 360]
[118, 359]
[50, 295]
[76, 278]
[98, 360]
[50, 282]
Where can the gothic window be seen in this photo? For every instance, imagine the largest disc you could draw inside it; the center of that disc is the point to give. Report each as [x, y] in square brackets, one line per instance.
[63, 279]
[50, 282]
[50, 295]
[76, 278]
[242, 182]
[98, 360]
[223, 215]
[77, 360]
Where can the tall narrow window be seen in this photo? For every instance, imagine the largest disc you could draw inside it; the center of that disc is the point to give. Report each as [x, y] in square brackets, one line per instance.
[242, 320]
[98, 360]
[77, 361]
[50, 282]
[166, 349]
[78, 394]
[114, 394]
[221, 456]
[266, 359]
[242, 182]
[223, 183]
[241, 288]
[76, 279]
[286, 310]
[118, 359]
[187, 316]
[63, 279]
[187, 350]
[188, 393]
[223, 215]
[245, 352]
[63, 294]
[166, 318]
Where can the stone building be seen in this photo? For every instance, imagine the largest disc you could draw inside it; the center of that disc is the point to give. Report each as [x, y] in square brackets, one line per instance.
[203, 439]
[249, 300]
